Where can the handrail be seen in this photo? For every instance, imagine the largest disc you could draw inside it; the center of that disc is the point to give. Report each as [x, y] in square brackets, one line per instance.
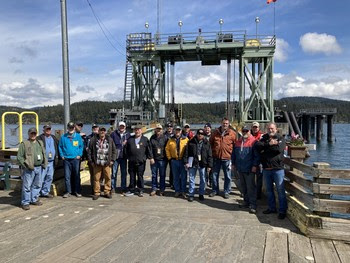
[21, 122]
[3, 137]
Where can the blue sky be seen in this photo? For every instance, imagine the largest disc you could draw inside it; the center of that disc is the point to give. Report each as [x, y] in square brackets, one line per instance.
[312, 56]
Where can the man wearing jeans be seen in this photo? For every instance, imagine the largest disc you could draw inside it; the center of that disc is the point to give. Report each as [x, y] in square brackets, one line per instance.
[50, 144]
[271, 148]
[158, 142]
[31, 156]
[120, 137]
[222, 142]
[245, 160]
[198, 156]
[71, 150]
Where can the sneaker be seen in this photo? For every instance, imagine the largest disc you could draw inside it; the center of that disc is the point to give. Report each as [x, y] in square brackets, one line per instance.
[77, 195]
[109, 195]
[201, 197]
[269, 211]
[95, 197]
[66, 195]
[212, 194]
[281, 216]
[184, 195]
[128, 193]
[25, 207]
[190, 199]
[252, 211]
[161, 194]
[153, 193]
[140, 194]
[47, 196]
[177, 194]
[38, 203]
[226, 196]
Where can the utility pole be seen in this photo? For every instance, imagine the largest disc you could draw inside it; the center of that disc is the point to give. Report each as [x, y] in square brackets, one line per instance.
[66, 90]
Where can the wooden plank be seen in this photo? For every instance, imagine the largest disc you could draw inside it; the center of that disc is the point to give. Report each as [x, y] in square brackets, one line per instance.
[335, 206]
[299, 179]
[300, 193]
[10, 160]
[331, 189]
[299, 248]
[343, 251]
[334, 173]
[301, 166]
[324, 251]
[276, 248]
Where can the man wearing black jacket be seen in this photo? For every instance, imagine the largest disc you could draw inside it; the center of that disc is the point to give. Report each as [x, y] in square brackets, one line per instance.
[198, 156]
[271, 147]
[158, 142]
[50, 144]
[137, 151]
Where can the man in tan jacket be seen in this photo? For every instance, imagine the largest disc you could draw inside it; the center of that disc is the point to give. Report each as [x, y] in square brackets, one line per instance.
[222, 141]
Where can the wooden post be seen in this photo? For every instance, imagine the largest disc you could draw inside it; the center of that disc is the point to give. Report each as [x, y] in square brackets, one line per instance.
[321, 165]
[312, 125]
[319, 127]
[330, 128]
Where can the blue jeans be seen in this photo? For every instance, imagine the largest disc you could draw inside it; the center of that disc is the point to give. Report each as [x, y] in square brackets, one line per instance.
[180, 175]
[31, 185]
[47, 177]
[158, 166]
[71, 172]
[275, 176]
[225, 165]
[248, 188]
[122, 163]
[192, 175]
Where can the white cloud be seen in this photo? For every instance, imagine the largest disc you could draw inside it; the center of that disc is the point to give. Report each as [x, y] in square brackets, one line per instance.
[319, 43]
[282, 48]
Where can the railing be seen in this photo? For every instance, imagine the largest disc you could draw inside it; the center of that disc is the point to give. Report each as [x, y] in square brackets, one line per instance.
[318, 111]
[324, 191]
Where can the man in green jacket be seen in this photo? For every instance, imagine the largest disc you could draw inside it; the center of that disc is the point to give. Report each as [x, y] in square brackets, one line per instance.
[32, 158]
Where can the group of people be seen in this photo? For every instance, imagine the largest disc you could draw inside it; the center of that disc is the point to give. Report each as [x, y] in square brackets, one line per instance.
[250, 157]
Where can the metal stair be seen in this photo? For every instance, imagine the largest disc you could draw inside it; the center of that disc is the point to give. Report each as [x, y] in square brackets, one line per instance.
[129, 81]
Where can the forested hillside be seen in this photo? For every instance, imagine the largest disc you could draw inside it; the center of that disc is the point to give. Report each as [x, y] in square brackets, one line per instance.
[97, 111]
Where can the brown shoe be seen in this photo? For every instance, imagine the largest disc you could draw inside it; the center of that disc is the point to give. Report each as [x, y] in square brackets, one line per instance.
[95, 197]
[25, 207]
[161, 194]
[109, 196]
[153, 193]
[38, 203]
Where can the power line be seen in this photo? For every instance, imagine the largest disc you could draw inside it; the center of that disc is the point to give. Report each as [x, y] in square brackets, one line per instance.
[100, 24]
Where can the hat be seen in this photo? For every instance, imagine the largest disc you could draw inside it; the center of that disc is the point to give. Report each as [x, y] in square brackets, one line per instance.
[207, 125]
[187, 125]
[137, 126]
[102, 128]
[255, 123]
[79, 123]
[200, 131]
[47, 126]
[245, 128]
[122, 123]
[178, 128]
[70, 125]
[169, 125]
[94, 125]
[158, 126]
[32, 130]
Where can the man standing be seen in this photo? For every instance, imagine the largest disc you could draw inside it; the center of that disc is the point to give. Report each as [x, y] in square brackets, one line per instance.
[245, 160]
[208, 174]
[187, 131]
[175, 150]
[271, 148]
[137, 151]
[101, 153]
[120, 137]
[198, 156]
[158, 142]
[169, 133]
[222, 142]
[32, 158]
[94, 132]
[256, 132]
[50, 144]
[71, 150]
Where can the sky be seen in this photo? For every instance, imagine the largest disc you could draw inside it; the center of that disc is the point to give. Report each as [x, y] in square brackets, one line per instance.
[312, 52]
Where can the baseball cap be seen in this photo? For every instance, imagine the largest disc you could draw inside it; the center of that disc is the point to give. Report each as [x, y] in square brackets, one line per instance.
[47, 126]
[245, 128]
[200, 131]
[178, 128]
[207, 125]
[122, 123]
[94, 125]
[32, 130]
[255, 123]
[187, 125]
[137, 126]
[70, 125]
[159, 126]
[102, 128]
[79, 123]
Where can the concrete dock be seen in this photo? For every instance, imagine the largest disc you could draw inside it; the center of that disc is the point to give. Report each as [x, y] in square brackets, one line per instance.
[153, 229]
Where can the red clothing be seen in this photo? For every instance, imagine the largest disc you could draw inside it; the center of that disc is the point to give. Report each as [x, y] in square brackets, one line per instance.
[222, 144]
[258, 135]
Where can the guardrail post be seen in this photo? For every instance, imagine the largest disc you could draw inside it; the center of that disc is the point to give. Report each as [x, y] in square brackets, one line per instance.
[321, 165]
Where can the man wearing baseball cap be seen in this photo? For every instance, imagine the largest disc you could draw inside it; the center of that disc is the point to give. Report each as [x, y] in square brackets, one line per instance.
[32, 158]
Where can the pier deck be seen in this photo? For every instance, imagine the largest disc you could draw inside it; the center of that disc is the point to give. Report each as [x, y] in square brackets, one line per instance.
[153, 229]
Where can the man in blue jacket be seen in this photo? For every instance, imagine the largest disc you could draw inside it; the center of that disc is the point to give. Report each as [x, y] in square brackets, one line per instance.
[245, 159]
[71, 150]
